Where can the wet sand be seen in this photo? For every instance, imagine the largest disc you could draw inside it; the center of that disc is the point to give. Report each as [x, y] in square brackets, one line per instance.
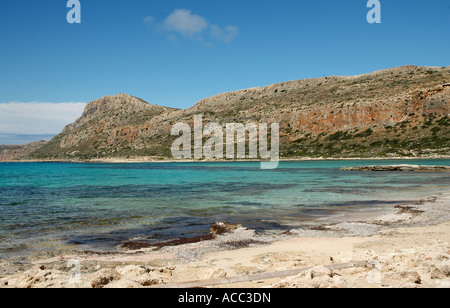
[406, 247]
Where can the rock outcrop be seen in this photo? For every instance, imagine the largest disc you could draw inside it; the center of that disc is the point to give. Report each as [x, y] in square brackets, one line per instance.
[404, 168]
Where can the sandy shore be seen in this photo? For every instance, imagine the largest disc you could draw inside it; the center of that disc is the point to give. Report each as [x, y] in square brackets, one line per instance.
[152, 159]
[406, 247]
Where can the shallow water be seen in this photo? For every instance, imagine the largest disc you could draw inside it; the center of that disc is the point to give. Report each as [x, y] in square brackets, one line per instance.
[49, 206]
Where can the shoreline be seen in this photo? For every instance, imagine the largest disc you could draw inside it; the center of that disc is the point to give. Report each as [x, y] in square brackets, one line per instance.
[423, 228]
[167, 160]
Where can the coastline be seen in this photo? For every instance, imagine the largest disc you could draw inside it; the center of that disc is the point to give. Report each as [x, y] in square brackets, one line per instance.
[407, 246]
[168, 160]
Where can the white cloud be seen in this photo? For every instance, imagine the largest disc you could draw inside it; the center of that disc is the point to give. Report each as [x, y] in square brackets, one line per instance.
[37, 118]
[184, 23]
[226, 35]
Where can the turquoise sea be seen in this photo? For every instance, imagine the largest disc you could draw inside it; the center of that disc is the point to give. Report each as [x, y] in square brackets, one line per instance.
[50, 206]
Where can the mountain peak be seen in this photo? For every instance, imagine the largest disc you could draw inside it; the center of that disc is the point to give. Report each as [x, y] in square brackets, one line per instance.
[119, 101]
[115, 106]
[124, 96]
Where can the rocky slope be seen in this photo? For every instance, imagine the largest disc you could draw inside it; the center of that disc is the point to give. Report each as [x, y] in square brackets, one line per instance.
[12, 152]
[108, 126]
[395, 112]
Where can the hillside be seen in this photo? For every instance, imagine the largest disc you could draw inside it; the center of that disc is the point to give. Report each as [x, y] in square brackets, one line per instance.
[12, 152]
[109, 126]
[402, 111]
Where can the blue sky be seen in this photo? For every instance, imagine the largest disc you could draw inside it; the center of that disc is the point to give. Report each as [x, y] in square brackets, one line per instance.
[174, 53]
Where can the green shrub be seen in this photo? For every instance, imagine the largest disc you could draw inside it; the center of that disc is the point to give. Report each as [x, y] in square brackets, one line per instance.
[364, 134]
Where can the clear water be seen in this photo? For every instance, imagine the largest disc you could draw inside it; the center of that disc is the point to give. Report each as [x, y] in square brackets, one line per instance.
[47, 206]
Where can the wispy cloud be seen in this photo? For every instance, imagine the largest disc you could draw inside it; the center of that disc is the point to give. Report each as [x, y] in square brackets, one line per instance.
[185, 23]
[182, 23]
[226, 35]
[36, 118]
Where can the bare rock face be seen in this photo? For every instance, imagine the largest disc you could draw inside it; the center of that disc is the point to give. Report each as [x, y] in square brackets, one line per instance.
[399, 112]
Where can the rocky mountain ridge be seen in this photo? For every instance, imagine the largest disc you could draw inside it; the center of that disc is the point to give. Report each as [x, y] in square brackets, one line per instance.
[402, 111]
